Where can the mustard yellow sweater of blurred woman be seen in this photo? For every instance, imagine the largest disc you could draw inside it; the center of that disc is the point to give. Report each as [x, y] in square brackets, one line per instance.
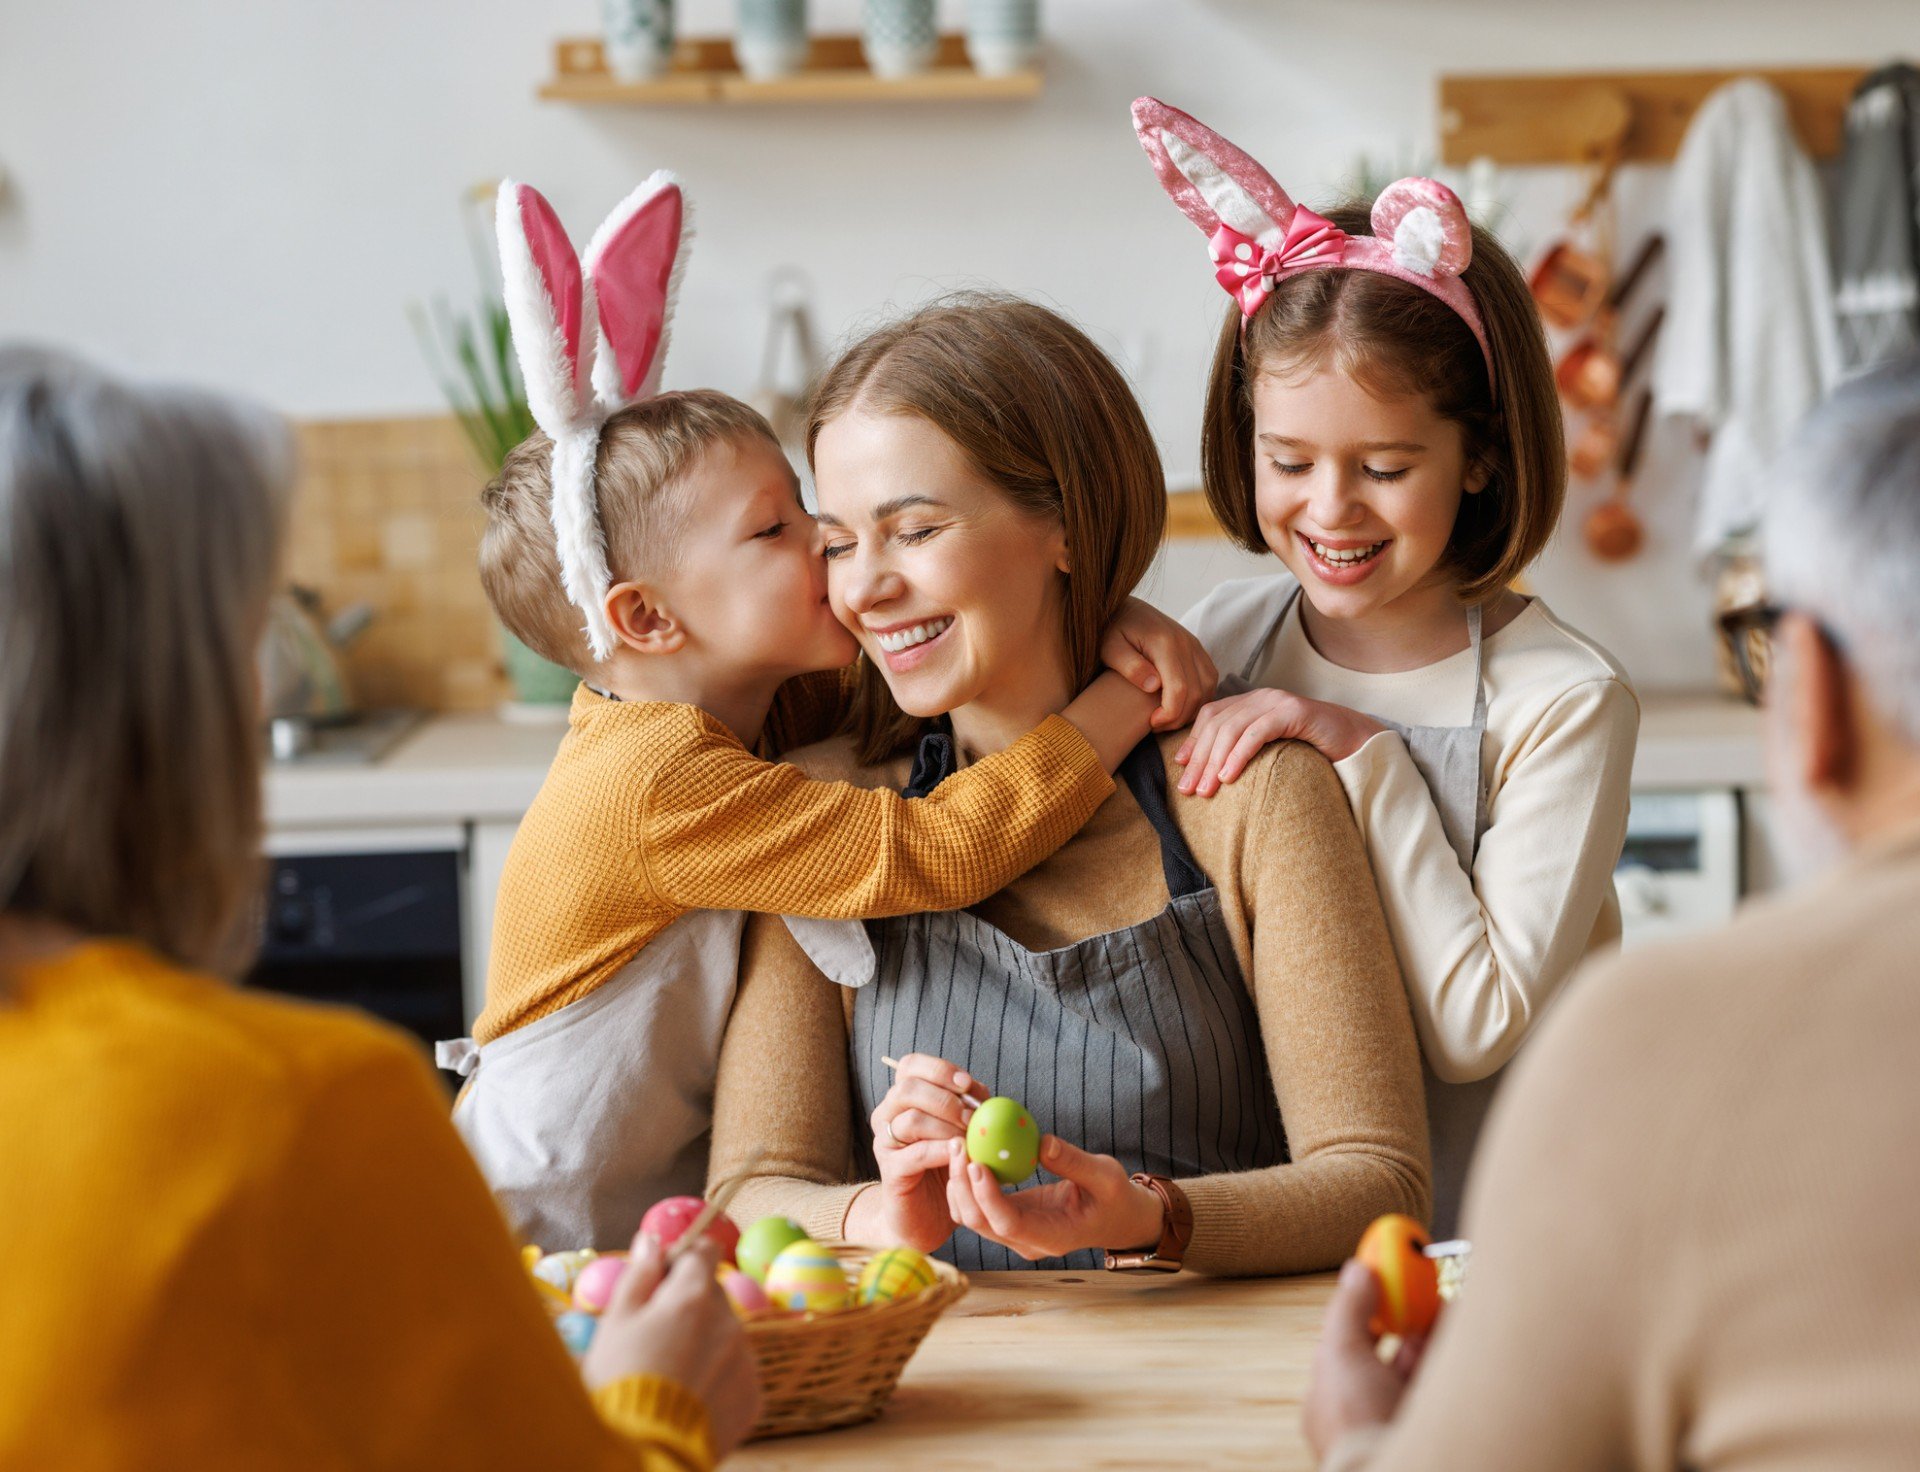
[240, 1232]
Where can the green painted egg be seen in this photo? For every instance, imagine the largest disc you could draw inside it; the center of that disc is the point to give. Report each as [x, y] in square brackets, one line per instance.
[1003, 1137]
[806, 1278]
[761, 1243]
[899, 1272]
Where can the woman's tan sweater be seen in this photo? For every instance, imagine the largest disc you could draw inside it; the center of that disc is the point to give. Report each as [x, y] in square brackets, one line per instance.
[1298, 899]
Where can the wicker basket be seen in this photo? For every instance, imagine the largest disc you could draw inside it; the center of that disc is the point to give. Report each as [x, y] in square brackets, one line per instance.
[823, 1370]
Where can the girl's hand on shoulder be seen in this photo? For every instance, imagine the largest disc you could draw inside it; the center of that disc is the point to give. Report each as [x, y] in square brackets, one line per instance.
[676, 1324]
[926, 1109]
[1094, 1204]
[1229, 733]
[1159, 655]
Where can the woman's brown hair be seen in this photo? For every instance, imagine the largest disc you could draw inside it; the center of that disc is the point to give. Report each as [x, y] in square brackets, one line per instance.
[1044, 415]
[1395, 339]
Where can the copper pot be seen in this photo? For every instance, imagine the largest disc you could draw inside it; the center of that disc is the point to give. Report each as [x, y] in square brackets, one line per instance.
[1569, 285]
[1613, 531]
[1590, 375]
[1599, 441]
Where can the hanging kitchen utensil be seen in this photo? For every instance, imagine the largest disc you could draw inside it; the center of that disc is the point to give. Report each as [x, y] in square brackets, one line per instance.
[782, 395]
[1589, 374]
[1570, 282]
[1599, 441]
[1613, 531]
[1592, 375]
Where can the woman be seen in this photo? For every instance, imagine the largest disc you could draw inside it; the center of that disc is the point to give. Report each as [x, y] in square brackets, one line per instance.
[237, 1231]
[1197, 999]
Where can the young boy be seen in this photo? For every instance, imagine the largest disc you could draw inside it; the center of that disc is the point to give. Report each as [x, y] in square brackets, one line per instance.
[617, 929]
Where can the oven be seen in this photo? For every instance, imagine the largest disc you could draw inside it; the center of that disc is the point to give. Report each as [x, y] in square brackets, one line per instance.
[369, 919]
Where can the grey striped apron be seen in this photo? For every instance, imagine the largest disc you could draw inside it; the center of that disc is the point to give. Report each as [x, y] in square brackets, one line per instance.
[1142, 1043]
[1448, 757]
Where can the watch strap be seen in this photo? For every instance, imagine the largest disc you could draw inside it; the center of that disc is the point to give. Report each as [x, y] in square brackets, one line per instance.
[1176, 1231]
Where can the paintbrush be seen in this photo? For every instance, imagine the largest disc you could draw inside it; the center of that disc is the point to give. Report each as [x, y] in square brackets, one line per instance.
[729, 1188]
[967, 1101]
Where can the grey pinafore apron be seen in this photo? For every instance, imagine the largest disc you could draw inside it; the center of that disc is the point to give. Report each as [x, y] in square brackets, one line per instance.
[1142, 1043]
[1448, 757]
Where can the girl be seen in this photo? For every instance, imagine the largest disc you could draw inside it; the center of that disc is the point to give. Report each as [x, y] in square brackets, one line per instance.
[236, 1231]
[1381, 416]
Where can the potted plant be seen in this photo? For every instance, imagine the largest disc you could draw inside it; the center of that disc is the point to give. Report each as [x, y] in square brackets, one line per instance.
[472, 356]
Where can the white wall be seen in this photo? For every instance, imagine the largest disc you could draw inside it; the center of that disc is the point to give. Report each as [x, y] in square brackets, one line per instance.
[251, 194]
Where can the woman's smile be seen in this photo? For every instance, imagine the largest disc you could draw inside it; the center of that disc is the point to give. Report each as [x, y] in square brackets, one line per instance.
[905, 645]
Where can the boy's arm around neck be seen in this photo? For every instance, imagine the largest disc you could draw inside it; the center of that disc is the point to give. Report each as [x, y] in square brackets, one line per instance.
[723, 829]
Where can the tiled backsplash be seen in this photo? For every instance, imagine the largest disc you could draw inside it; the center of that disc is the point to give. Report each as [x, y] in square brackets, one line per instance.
[388, 512]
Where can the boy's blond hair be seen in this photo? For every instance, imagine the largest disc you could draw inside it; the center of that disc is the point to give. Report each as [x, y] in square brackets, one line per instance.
[643, 451]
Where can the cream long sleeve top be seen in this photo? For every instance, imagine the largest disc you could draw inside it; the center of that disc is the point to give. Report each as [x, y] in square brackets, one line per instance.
[1482, 953]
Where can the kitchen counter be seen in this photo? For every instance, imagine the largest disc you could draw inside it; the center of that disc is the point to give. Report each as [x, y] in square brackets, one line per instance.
[448, 769]
[482, 769]
[1077, 1370]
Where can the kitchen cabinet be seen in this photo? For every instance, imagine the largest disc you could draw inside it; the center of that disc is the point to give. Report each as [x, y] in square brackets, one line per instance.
[466, 781]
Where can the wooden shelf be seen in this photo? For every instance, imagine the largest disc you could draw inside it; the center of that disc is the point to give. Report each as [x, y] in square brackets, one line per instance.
[1190, 517]
[705, 71]
[1561, 119]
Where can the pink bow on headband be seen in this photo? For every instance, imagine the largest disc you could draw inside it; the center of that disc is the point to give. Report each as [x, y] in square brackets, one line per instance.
[1421, 233]
[1247, 269]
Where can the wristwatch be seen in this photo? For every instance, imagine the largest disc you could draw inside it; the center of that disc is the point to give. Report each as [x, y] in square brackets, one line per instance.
[1176, 1231]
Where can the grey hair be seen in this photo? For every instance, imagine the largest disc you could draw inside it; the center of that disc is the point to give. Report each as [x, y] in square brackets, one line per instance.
[140, 533]
[1842, 539]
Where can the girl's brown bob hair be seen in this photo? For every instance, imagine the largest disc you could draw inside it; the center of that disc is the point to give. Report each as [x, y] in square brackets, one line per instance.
[1044, 415]
[1395, 339]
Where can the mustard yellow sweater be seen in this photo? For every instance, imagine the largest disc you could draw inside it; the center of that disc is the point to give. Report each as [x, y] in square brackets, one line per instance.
[239, 1232]
[651, 810]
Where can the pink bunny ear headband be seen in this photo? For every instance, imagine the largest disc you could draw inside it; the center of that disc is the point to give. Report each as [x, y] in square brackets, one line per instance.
[1259, 237]
[591, 338]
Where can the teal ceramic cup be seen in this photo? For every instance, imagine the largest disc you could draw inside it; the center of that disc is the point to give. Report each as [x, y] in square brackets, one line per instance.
[1003, 36]
[899, 37]
[638, 37]
[770, 39]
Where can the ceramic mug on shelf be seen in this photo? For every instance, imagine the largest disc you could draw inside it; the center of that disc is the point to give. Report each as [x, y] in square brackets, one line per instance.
[899, 37]
[638, 38]
[770, 39]
[1003, 36]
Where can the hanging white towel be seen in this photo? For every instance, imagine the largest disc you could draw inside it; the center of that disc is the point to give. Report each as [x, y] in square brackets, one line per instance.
[1750, 343]
[1878, 300]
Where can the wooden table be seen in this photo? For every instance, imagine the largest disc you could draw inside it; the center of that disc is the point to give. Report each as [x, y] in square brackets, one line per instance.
[1083, 1370]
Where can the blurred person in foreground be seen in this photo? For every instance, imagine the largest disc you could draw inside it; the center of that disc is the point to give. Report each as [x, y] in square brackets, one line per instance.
[236, 1231]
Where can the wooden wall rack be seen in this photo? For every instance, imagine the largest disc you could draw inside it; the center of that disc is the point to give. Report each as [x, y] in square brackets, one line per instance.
[705, 71]
[1572, 118]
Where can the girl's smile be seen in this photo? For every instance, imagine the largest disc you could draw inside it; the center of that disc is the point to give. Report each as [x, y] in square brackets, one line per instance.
[1342, 563]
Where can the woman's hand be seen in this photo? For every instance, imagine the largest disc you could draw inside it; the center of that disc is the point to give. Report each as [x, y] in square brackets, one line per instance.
[1351, 1388]
[1227, 734]
[1093, 1204]
[1158, 655]
[924, 1112]
[676, 1324]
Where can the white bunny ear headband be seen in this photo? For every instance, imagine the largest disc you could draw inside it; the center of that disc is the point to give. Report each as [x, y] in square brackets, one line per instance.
[591, 338]
[1258, 236]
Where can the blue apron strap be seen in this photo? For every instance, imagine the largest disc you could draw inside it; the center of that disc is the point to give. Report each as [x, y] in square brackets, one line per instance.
[1479, 721]
[1146, 777]
[1260, 650]
[1145, 774]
